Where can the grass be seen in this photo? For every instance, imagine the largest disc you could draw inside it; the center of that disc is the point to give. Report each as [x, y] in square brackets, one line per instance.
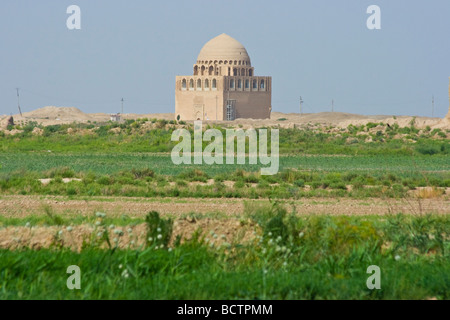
[162, 164]
[290, 257]
[319, 257]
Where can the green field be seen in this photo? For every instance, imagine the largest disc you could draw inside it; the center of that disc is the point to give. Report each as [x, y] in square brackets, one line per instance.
[288, 256]
[291, 258]
[403, 165]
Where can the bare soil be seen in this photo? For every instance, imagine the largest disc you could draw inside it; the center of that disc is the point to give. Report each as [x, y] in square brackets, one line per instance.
[62, 115]
[222, 221]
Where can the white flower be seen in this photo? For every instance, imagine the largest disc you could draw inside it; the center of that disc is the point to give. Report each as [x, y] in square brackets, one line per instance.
[285, 264]
[60, 232]
[97, 223]
[120, 266]
[116, 240]
[100, 234]
[397, 258]
[270, 234]
[118, 232]
[112, 226]
[150, 239]
[69, 228]
[125, 274]
[279, 239]
[159, 237]
[283, 249]
[277, 249]
[301, 235]
[27, 225]
[100, 214]
[130, 230]
[170, 250]
[270, 242]
[263, 251]
[158, 230]
[156, 248]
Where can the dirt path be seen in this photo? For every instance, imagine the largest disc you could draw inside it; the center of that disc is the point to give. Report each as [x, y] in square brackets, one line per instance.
[221, 220]
[22, 206]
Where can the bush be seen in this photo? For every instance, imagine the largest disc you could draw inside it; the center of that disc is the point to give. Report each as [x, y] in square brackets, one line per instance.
[299, 183]
[428, 149]
[143, 173]
[161, 124]
[159, 231]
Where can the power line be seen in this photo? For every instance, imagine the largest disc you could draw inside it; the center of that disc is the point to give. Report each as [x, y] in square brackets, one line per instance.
[18, 101]
[432, 107]
[301, 105]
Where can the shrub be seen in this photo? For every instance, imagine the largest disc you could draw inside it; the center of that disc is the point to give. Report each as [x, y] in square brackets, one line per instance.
[159, 231]
[299, 183]
[161, 124]
[143, 173]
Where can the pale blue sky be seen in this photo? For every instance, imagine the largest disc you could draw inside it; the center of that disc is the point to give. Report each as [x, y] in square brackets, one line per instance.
[320, 50]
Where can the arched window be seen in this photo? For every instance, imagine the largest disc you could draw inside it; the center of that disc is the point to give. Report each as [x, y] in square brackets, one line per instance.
[239, 84]
[263, 84]
[243, 72]
[255, 84]
[211, 70]
[232, 84]
[206, 84]
[235, 62]
[235, 72]
[214, 84]
[183, 84]
[250, 73]
[203, 70]
[195, 70]
[247, 84]
[191, 84]
[199, 84]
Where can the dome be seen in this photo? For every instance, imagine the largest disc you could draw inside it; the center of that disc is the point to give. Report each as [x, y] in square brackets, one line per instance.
[224, 48]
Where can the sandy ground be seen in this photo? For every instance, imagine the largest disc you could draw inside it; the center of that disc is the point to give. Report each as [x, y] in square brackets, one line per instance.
[221, 220]
[61, 115]
[22, 206]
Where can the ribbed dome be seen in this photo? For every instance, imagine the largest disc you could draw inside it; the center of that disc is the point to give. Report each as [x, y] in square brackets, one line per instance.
[224, 48]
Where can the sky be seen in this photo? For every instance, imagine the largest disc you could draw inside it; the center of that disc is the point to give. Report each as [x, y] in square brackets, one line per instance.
[321, 50]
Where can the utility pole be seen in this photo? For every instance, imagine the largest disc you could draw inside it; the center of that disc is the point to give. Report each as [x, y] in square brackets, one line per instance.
[301, 106]
[432, 107]
[122, 105]
[18, 101]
